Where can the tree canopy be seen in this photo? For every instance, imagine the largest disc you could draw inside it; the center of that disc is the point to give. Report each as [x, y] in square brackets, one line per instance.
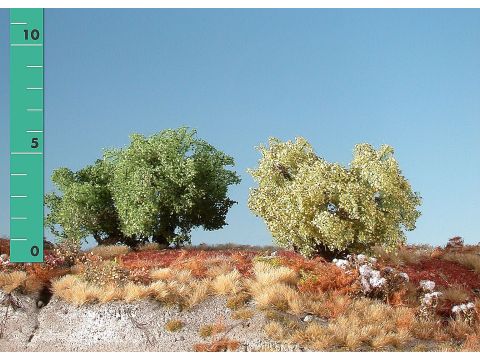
[158, 187]
[318, 207]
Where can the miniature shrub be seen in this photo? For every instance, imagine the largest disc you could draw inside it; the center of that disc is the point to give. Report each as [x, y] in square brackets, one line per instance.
[85, 206]
[158, 187]
[318, 207]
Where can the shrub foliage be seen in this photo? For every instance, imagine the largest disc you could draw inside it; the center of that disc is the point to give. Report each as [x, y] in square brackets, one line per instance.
[158, 187]
[318, 207]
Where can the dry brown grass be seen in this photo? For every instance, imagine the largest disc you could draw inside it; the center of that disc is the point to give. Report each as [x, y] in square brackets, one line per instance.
[161, 274]
[171, 292]
[218, 265]
[269, 275]
[15, 280]
[328, 305]
[274, 330]
[184, 293]
[367, 323]
[109, 293]
[469, 260]
[12, 281]
[272, 287]
[224, 344]
[227, 284]
[279, 296]
[428, 330]
[150, 247]
[160, 290]
[242, 314]
[236, 301]
[200, 291]
[110, 251]
[182, 276]
[455, 294]
[212, 329]
[459, 330]
[134, 292]
[472, 342]
[176, 286]
[402, 256]
[174, 325]
[314, 336]
[73, 289]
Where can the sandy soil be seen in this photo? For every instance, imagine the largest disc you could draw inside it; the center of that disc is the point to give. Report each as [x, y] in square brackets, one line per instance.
[139, 326]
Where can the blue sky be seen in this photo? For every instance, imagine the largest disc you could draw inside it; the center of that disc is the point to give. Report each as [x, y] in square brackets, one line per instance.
[408, 78]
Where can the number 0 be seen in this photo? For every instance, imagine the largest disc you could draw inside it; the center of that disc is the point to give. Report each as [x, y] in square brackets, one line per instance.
[34, 250]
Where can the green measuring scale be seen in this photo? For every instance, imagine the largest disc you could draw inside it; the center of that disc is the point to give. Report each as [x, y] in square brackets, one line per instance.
[26, 135]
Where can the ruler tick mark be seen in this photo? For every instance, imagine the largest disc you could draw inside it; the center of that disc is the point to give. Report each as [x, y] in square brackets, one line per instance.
[18, 196]
[26, 44]
[34, 110]
[26, 153]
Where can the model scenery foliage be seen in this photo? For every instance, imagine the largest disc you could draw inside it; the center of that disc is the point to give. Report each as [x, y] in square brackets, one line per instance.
[318, 207]
[158, 188]
[228, 297]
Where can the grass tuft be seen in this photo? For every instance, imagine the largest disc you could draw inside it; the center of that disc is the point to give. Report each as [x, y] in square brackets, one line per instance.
[110, 251]
[224, 344]
[211, 329]
[242, 314]
[469, 260]
[174, 325]
[13, 281]
[226, 284]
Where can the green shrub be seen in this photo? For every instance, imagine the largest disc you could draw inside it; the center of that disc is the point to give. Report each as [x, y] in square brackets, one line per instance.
[160, 187]
[325, 208]
[85, 206]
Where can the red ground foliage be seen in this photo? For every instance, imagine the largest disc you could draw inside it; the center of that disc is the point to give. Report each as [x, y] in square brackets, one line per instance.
[318, 274]
[194, 260]
[298, 262]
[4, 246]
[443, 272]
[221, 345]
